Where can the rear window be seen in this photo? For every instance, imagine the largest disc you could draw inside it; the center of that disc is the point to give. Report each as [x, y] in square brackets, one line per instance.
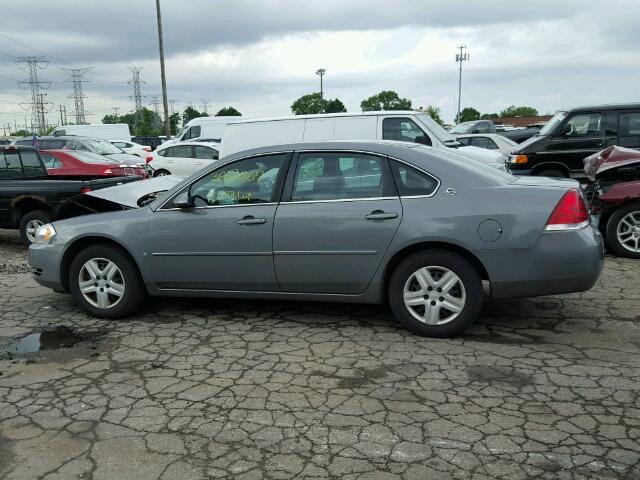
[89, 157]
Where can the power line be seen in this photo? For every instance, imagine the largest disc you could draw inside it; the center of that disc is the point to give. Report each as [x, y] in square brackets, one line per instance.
[78, 97]
[460, 57]
[205, 104]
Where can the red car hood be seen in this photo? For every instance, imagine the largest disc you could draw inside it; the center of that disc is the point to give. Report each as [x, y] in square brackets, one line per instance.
[611, 157]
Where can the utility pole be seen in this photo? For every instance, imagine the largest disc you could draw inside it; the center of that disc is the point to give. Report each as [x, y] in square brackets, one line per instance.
[205, 104]
[77, 95]
[320, 72]
[165, 104]
[64, 110]
[61, 119]
[37, 104]
[460, 57]
[115, 111]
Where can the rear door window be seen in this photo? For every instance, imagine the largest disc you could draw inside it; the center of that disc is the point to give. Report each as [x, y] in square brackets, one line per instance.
[629, 129]
[31, 164]
[411, 182]
[206, 153]
[182, 151]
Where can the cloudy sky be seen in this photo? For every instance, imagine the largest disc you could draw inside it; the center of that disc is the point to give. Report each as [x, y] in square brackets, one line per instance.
[260, 55]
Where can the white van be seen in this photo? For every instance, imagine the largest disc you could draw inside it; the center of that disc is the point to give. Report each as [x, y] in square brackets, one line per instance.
[202, 129]
[105, 131]
[408, 126]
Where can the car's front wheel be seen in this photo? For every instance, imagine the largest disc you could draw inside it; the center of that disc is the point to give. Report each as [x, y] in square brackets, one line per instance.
[161, 173]
[436, 293]
[30, 223]
[105, 282]
[623, 230]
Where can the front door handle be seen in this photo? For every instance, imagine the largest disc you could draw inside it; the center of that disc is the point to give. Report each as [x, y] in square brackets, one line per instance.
[251, 220]
[380, 215]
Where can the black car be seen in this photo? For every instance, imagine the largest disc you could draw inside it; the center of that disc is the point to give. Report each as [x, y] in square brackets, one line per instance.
[561, 146]
[29, 198]
[151, 141]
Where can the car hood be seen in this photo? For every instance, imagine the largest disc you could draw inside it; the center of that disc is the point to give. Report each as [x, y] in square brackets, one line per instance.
[482, 155]
[129, 194]
[524, 147]
[608, 159]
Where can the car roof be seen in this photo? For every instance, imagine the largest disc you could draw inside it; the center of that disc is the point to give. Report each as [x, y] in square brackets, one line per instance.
[204, 144]
[403, 113]
[609, 106]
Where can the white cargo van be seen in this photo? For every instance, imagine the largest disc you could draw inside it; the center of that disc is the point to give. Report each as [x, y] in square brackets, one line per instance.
[203, 129]
[105, 131]
[407, 126]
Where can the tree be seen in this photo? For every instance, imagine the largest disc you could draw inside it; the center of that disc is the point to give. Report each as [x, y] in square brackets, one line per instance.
[334, 106]
[148, 123]
[20, 133]
[189, 114]
[128, 118]
[173, 122]
[513, 111]
[469, 113]
[385, 100]
[488, 116]
[228, 112]
[308, 104]
[434, 113]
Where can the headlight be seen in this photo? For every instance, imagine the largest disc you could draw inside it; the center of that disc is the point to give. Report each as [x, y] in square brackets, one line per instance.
[45, 234]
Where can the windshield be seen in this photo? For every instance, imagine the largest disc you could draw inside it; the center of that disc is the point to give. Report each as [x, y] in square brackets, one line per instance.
[552, 124]
[101, 147]
[464, 127]
[181, 131]
[435, 128]
[89, 157]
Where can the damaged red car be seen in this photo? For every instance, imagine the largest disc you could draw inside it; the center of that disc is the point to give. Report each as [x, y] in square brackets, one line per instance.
[615, 197]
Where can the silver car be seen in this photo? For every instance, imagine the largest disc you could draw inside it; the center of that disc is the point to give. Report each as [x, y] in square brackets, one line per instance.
[369, 222]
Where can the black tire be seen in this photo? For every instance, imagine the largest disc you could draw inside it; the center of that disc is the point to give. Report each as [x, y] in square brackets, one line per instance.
[551, 173]
[134, 290]
[612, 229]
[27, 220]
[468, 276]
[161, 172]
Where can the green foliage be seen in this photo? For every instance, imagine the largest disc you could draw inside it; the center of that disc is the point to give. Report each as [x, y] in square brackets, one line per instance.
[385, 100]
[308, 104]
[513, 111]
[147, 124]
[20, 133]
[488, 116]
[189, 114]
[174, 120]
[228, 112]
[334, 106]
[469, 113]
[434, 113]
[128, 118]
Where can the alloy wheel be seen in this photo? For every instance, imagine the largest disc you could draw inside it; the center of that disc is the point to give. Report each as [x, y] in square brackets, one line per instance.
[101, 283]
[32, 229]
[628, 231]
[434, 295]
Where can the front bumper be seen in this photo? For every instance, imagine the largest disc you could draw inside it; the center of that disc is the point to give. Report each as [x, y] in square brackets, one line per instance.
[45, 261]
[561, 262]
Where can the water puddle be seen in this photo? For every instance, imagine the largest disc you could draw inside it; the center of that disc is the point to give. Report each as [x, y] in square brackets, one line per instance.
[46, 339]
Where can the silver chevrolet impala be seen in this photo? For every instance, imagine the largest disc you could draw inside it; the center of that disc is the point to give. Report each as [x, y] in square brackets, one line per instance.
[369, 222]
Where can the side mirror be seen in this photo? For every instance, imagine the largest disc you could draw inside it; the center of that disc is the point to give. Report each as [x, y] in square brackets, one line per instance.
[566, 129]
[422, 140]
[183, 200]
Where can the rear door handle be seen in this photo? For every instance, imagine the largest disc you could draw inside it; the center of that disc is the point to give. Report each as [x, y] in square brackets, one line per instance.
[380, 215]
[250, 220]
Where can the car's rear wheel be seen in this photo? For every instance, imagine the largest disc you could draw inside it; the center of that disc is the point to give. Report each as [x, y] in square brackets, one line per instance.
[105, 282]
[551, 173]
[436, 293]
[30, 223]
[623, 230]
[161, 173]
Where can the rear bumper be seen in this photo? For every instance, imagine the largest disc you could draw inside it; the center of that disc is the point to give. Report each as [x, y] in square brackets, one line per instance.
[45, 261]
[562, 262]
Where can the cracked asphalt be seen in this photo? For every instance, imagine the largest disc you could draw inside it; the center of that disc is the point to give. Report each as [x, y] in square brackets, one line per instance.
[540, 388]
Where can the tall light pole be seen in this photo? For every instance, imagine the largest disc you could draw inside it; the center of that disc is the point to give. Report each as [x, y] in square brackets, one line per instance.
[460, 57]
[320, 72]
[165, 103]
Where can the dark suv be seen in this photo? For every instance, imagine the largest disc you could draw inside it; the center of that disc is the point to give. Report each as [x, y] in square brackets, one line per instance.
[570, 136]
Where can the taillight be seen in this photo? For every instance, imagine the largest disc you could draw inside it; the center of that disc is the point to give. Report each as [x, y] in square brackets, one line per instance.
[149, 158]
[85, 189]
[570, 213]
[146, 149]
[519, 159]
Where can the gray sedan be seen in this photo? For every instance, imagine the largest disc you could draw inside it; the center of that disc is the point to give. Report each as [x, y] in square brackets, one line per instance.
[371, 222]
